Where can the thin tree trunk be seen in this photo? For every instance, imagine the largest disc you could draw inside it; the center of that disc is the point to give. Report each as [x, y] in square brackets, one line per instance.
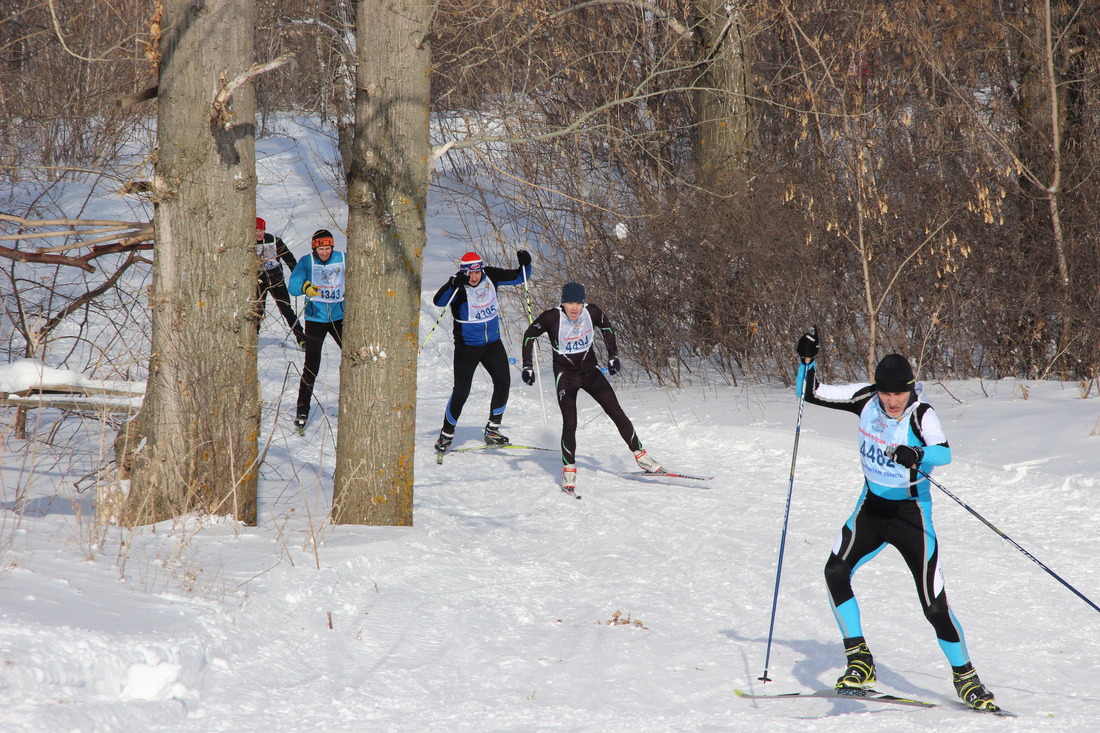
[387, 196]
[1043, 120]
[194, 444]
[1054, 188]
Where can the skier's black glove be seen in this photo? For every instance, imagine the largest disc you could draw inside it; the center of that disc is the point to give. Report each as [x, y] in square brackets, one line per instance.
[524, 258]
[808, 346]
[460, 280]
[907, 455]
[528, 376]
[614, 366]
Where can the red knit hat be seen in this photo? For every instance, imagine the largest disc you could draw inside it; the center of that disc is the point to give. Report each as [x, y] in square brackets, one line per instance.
[471, 262]
[261, 224]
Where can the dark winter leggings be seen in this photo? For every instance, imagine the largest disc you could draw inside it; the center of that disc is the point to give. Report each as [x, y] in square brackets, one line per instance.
[907, 525]
[315, 339]
[466, 360]
[594, 383]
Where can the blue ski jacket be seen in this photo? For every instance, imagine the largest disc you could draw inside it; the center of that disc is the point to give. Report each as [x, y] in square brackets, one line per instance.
[329, 278]
[484, 332]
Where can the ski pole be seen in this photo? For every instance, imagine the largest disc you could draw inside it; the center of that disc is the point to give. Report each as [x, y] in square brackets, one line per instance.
[298, 317]
[299, 313]
[783, 536]
[530, 320]
[1008, 539]
[437, 320]
[527, 297]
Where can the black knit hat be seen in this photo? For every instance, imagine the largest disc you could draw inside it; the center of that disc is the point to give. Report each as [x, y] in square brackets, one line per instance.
[894, 374]
[572, 293]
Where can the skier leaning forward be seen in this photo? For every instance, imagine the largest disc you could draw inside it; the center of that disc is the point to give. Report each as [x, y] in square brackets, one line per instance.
[472, 294]
[572, 328]
[898, 433]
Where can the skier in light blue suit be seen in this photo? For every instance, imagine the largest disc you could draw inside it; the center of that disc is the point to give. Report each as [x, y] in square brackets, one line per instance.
[898, 434]
[320, 277]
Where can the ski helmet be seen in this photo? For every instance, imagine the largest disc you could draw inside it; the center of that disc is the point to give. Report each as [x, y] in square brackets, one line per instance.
[323, 238]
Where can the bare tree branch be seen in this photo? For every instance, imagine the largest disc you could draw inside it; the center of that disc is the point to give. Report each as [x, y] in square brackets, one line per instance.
[135, 236]
[20, 256]
[657, 11]
[220, 107]
[77, 303]
[60, 35]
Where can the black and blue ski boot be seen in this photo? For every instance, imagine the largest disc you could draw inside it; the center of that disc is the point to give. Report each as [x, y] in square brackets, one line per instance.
[971, 690]
[860, 674]
[493, 436]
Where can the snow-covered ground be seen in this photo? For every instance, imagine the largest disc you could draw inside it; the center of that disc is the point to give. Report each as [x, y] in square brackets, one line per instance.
[509, 606]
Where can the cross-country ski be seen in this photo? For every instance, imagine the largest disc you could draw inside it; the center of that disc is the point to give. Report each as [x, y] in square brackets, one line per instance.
[832, 693]
[859, 695]
[439, 454]
[654, 475]
[506, 446]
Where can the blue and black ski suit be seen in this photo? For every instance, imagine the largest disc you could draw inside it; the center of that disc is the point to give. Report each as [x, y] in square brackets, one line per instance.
[476, 315]
[894, 507]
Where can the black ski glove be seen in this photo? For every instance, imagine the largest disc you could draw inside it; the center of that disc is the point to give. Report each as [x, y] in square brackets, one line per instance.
[523, 257]
[808, 346]
[614, 366]
[907, 455]
[528, 376]
[460, 280]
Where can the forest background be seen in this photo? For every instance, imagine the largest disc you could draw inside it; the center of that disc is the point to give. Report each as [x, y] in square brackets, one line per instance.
[909, 177]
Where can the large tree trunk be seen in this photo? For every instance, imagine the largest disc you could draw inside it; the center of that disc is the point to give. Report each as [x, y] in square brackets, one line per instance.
[724, 140]
[193, 446]
[723, 149]
[387, 196]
